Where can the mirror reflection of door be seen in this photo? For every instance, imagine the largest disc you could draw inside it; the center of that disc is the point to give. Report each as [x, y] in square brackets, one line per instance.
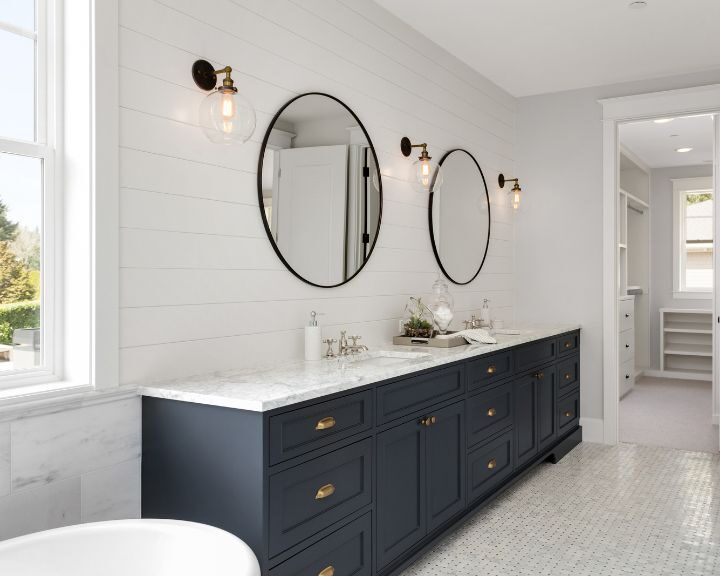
[320, 190]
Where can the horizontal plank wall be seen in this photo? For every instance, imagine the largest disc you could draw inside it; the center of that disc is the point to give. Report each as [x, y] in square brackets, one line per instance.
[201, 288]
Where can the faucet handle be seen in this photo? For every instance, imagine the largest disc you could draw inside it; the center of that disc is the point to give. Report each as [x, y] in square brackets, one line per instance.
[355, 339]
[468, 324]
[330, 352]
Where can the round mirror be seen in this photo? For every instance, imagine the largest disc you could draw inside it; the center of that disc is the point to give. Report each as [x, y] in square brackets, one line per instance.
[460, 218]
[320, 190]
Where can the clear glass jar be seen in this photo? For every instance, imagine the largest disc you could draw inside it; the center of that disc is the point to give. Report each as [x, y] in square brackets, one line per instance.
[442, 305]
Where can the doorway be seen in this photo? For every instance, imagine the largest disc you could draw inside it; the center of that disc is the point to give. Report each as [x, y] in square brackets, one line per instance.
[660, 269]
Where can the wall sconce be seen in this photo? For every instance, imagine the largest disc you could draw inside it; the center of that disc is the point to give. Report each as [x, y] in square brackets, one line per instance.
[516, 190]
[226, 117]
[428, 174]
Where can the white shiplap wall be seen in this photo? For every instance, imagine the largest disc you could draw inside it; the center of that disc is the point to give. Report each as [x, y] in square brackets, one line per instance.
[201, 288]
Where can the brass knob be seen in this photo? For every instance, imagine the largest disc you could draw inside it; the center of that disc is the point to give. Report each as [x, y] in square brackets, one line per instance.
[492, 464]
[325, 491]
[433, 419]
[568, 344]
[329, 571]
[325, 423]
[427, 421]
[568, 414]
[491, 412]
[492, 369]
[539, 375]
[568, 376]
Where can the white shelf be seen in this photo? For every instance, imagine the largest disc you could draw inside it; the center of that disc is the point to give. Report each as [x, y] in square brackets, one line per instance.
[689, 349]
[688, 327]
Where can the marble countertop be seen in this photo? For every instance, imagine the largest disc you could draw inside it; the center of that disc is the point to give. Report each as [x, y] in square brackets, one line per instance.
[265, 388]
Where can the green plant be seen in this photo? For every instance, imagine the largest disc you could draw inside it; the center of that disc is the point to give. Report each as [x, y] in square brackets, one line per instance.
[18, 315]
[416, 324]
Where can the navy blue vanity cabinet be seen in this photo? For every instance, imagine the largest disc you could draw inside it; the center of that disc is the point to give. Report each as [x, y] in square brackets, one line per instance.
[361, 482]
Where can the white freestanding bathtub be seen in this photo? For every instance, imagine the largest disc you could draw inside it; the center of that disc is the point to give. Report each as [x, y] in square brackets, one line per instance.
[129, 548]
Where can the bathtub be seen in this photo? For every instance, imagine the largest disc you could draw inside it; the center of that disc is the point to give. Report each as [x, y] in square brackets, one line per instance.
[129, 548]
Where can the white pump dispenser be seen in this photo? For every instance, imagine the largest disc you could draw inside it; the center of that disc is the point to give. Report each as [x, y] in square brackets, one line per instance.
[313, 339]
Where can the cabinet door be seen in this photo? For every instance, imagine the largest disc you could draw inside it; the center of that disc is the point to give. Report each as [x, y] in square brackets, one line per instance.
[546, 412]
[401, 489]
[445, 464]
[526, 428]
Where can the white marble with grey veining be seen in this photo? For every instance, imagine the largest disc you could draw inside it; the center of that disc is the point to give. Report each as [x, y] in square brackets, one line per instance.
[4, 458]
[111, 493]
[265, 388]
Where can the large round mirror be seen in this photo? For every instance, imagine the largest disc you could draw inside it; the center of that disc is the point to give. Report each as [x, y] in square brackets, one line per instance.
[460, 218]
[320, 190]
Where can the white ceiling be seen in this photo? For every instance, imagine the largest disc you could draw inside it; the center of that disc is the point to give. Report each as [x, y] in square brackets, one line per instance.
[656, 144]
[539, 46]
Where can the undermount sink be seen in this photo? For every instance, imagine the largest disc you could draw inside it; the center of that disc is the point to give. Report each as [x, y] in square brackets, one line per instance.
[385, 358]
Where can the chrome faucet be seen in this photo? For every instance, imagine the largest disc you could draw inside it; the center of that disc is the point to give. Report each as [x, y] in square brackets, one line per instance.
[472, 323]
[354, 348]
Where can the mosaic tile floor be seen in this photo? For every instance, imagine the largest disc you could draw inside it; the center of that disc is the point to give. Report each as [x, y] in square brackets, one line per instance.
[620, 510]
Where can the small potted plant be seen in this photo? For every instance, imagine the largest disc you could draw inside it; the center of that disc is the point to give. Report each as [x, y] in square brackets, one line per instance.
[416, 325]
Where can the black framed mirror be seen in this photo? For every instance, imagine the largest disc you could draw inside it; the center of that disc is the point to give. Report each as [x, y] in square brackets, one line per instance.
[459, 217]
[320, 190]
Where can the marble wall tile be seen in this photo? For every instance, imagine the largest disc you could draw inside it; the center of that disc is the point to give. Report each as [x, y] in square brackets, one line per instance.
[111, 493]
[4, 458]
[42, 508]
[68, 444]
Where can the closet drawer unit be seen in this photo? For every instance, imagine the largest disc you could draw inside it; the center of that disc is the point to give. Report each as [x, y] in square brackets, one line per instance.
[489, 412]
[568, 413]
[489, 465]
[300, 431]
[315, 494]
[345, 552]
[568, 375]
[413, 394]
[535, 354]
[568, 344]
[626, 312]
[489, 369]
[626, 346]
[626, 377]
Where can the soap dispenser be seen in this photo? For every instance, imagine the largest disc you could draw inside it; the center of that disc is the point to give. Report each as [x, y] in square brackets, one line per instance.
[485, 315]
[313, 339]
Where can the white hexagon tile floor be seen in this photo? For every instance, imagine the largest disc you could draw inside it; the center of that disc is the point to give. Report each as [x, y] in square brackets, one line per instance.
[602, 510]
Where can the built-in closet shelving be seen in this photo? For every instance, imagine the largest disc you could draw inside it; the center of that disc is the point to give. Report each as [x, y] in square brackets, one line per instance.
[686, 342]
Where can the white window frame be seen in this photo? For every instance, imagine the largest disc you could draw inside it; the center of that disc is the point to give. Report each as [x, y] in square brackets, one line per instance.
[681, 187]
[44, 147]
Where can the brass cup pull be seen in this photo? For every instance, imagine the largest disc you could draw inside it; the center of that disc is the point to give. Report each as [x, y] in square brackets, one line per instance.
[568, 414]
[492, 369]
[329, 571]
[325, 423]
[325, 491]
[568, 344]
[492, 464]
[568, 376]
[491, 412]
[433, 419]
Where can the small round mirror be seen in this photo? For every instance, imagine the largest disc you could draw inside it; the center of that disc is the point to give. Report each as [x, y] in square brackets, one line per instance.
[320, 190]
[460, 218]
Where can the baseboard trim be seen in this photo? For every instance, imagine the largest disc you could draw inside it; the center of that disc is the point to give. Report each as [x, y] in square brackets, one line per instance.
[677, 375]
[593, 430]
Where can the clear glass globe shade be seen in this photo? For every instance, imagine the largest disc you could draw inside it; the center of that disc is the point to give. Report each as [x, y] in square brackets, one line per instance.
[226, 117]
[428, 176]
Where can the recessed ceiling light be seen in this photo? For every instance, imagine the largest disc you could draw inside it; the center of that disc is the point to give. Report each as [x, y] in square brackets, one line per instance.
[663, 120]
[683, 150]
[638, 4]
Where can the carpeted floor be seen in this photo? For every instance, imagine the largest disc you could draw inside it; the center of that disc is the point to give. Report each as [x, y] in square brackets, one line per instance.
[669, 413]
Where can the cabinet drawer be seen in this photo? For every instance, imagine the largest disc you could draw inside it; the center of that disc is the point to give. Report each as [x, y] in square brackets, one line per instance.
[535, 354]
[345, 552]
[489, 465]
[626, 377]
[626, 346]
[489, 412]
[568, 413]
[626, 312]
[412, 394]
[294, 433]
[568, 375]
[315, 494]
[568, 344]
[484, 371]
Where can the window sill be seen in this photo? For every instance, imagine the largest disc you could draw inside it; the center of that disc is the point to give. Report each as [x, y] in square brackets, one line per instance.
[693, 295]
[55, 397]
